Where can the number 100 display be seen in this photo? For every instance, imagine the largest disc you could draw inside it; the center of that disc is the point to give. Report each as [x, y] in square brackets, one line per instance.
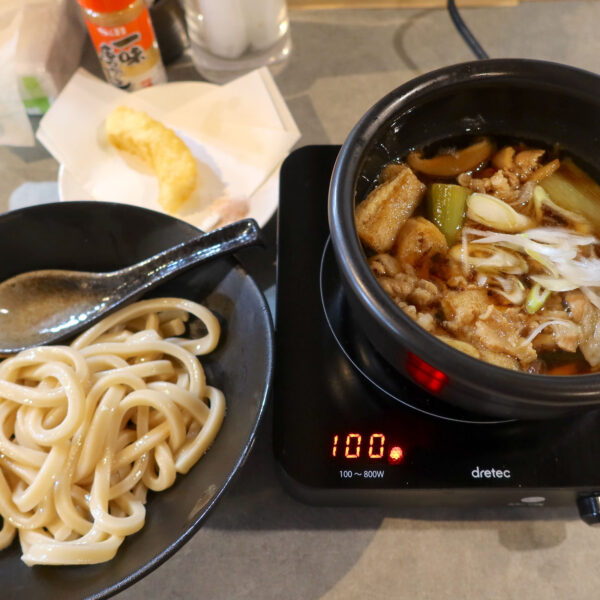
[373, 447]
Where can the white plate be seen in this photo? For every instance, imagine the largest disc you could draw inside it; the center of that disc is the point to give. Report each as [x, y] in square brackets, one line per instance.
[262, 204]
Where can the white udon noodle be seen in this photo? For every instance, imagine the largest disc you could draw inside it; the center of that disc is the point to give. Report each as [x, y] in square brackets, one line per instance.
[87, 429]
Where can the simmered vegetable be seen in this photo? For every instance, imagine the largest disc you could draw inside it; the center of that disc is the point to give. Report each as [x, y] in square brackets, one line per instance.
[497, 214]
[446, 208]
[542, 200]
[574, 190]
[454, 163]
[489, 258]
[536, 298]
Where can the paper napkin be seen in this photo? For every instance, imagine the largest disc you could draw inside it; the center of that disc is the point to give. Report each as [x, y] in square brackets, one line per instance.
[15, 129]
[239, 134]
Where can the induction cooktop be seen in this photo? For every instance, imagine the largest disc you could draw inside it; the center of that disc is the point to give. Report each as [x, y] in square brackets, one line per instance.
[349, 430]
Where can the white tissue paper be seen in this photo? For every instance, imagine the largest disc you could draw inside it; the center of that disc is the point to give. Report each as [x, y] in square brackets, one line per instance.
[15, 129]
[239, 134]
[40, 47]
[50, 42]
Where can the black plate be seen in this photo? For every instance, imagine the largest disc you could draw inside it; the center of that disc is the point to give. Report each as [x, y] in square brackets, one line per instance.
[98, 236]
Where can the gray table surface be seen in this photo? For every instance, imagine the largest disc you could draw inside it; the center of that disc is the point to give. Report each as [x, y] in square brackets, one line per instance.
[259, 543]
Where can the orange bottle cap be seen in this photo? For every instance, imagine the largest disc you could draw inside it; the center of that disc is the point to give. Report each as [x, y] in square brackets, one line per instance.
[105, 6]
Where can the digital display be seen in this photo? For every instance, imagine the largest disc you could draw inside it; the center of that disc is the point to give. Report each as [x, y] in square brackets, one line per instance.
[370, 446]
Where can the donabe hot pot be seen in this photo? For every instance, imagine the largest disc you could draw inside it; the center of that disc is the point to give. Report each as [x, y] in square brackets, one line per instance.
[536, 101]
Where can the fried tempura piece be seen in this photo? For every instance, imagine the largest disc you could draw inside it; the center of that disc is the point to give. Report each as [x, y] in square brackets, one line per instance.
[160, 148]
[384, 211]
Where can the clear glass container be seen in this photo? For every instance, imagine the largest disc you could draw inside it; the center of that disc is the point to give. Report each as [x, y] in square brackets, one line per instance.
[231, 37]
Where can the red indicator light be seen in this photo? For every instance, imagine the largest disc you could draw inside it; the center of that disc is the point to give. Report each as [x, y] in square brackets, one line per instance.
[423, 373]
[396, 455]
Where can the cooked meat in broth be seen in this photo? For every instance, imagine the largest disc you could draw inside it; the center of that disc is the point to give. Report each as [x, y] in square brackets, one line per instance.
[494, 250]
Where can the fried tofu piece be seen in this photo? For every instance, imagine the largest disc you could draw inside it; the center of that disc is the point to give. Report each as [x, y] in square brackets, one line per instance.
[160, 148]
[418, 239]
[381, 215]
[390, 171]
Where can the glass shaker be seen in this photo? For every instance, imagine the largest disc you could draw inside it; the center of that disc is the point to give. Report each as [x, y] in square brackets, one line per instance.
[231, 37]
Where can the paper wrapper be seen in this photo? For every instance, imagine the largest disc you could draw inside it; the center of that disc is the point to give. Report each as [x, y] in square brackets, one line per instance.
[15, 129]
[239, 134]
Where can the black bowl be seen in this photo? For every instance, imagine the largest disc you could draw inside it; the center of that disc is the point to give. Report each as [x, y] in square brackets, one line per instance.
[535, 101]
[101, 236]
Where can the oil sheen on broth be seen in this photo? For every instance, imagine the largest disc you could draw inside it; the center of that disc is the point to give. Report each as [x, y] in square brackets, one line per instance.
[493, 248]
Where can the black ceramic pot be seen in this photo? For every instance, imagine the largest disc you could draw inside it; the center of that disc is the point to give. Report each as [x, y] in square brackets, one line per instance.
[539, 102]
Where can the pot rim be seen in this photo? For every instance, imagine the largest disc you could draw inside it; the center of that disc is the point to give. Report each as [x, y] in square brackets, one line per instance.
[352, 260]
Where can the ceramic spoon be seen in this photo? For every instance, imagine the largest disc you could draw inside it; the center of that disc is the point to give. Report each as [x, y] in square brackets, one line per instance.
[42, 307]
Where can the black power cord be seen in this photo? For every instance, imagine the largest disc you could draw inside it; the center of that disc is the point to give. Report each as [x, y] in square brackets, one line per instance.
[465, 32]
